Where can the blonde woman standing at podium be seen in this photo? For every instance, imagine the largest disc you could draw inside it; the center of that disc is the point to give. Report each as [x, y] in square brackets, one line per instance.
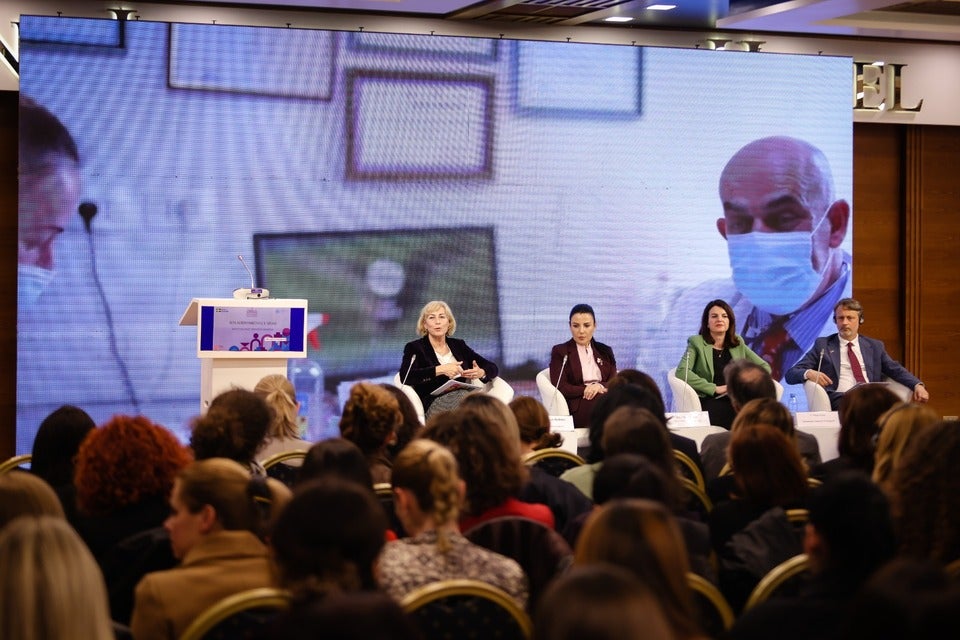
[581, 367]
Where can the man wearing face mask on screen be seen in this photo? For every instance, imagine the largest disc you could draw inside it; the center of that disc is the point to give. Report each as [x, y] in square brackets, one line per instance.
[784, 228]
[49, 191]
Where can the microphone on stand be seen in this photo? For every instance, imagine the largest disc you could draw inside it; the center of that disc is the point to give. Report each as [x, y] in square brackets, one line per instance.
[413, 359]
[819, 363]
[686, 369]
[556, 387]
[254, 292]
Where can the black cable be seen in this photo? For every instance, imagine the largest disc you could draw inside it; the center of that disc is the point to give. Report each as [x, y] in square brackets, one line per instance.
[87, 211]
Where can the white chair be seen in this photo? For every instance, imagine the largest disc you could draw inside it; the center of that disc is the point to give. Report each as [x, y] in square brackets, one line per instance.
[550, 396]
[498, 388]
[818, 400]
[686, 399]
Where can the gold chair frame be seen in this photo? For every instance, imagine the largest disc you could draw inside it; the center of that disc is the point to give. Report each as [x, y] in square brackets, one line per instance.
[776, 577]
[702, 586]
[231, 605]
[699, 493]
[691, 466]
[463, 587]
[533, 458]
[12, 463]
[283, 456]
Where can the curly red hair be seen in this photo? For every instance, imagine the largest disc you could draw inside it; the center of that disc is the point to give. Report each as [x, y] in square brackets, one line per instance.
[126, 461]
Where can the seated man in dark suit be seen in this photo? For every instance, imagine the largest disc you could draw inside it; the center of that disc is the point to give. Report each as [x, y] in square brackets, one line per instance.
[845, 359]
[747, 381]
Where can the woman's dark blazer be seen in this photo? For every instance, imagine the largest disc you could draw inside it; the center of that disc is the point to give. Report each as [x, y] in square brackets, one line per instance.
[422, 375]
[571, 382]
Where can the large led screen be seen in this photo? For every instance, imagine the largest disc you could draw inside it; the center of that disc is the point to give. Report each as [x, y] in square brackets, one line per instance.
[370, 173]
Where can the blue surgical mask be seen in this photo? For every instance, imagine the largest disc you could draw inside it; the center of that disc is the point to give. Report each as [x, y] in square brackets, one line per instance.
[775, 270]
[31, 282]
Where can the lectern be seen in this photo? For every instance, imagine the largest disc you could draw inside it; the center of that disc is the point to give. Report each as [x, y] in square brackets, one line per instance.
[239, 341]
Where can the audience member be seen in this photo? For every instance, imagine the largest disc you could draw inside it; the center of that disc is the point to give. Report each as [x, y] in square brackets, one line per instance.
[52, 588]
[427, 497]
[926, 494]
[534, 423]
[849, 536]
[124, 473]
[898, 426]
[410, 424]
[22, 493]
[55, 450]
[218, 515]
[489, 462]
[541, 487]
[860, 409]
[337, 457]
[283, 433]
[643, 536]
[327, 540]
[371, 417]
[234, 427]
[747, 382]
[600, 602]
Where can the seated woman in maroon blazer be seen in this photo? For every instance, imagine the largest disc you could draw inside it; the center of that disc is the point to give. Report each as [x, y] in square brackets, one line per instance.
[436, 358]
[581, 367]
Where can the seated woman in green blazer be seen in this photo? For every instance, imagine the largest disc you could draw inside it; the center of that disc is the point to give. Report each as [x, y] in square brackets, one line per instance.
[708, 353]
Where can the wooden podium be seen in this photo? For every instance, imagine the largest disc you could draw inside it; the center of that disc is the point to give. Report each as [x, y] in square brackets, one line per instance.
[240, 341]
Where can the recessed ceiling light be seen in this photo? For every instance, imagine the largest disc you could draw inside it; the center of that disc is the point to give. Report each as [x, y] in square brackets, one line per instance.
[661, 7]
[618, 19]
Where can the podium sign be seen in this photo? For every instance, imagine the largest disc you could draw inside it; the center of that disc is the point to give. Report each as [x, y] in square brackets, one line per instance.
[241, 341]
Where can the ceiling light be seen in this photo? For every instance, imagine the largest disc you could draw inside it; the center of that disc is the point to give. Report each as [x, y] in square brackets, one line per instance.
[661, 7]
[618, 19]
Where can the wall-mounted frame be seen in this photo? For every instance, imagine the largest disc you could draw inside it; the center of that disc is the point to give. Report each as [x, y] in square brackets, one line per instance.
[462, 48]
[87, 32]
[555, 79]
[410, 126]
[292, 63]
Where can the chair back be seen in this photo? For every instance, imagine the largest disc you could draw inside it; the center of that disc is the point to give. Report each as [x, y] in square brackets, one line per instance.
[553, 460]
[817, 398]
[384, 491]
[16, 461]
[458, 609]
[276, 466]
[688, 469]
[550, 396]
[242, 616]
[697, 499]
[684, 397]
[783, 580]
[541, 552]
[713, 611]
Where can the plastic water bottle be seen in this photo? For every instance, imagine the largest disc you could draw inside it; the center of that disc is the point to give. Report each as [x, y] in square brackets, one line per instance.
[307, 378]
[792, 404]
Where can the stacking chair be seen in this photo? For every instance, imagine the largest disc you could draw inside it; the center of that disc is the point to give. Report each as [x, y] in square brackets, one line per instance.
[276, 466]
[17, 461]
[688, 469]
[553, 460]
[466, 610]
[713, 611]
[242, 616]
[697, 499]
[784, 579]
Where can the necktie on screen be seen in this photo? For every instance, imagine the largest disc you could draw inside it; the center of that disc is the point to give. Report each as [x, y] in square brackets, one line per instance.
[855, 364]
[775, 342]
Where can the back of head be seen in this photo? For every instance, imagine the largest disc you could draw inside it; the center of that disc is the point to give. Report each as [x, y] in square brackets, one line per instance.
[926, 493]
[23, 493]
[748, 381]
[852, 515]
[241, 502]
[280, 396]
[534, 423]
[767, 466]
[126, 461]
[643, 537]
[488, 459]
[410, 424]
[429, 471]
[370, 417]
[336, 457]
[497, 413]
[765, 411]
[56, 444]
[621, 395]
[43, 138]
[631, 429]
[860, 410]
[599, 602]
[51, 585]
[897, 427]
[631, 475]
[328, 538]
[347, 616]
[233, 427]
